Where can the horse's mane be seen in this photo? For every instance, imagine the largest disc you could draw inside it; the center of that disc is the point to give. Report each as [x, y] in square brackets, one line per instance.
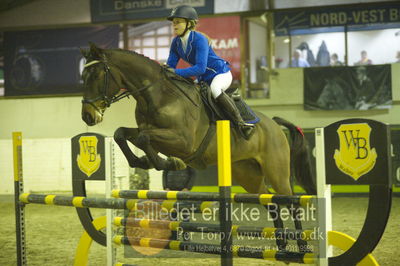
[133, 53]
[152, 62]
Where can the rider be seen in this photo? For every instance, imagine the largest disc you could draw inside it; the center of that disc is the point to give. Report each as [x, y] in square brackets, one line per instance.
[194, 47]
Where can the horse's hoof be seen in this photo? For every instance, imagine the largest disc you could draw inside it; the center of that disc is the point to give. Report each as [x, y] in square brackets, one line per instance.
[176, 164]
[142, 162]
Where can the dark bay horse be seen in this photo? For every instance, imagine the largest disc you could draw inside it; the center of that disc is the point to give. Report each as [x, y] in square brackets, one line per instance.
[173, 121]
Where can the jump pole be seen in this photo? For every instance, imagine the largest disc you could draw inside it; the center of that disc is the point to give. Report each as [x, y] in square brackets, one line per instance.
[110, 213]
[19, 207]
[324, 210]
[225, 183]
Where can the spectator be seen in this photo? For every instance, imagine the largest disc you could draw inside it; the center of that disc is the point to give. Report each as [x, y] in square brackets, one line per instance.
[364, 59]
[323, 56]
[335, 60]
[297, 61]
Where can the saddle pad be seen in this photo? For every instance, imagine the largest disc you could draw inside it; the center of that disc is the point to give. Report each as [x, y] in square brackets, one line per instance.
[245, 111]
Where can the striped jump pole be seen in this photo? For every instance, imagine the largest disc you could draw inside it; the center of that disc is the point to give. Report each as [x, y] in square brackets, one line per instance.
[110, 203]
[263, 199]
[237, 251]
[78, 202]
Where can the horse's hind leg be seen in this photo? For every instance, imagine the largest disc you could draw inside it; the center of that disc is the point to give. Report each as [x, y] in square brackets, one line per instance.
[249, 175]
[121, 136]
[276, 169]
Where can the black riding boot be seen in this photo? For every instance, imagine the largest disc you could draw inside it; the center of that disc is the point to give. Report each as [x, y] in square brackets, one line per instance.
[230, 109]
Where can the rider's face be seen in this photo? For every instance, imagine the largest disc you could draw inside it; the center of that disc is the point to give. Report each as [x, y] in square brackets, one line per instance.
[179, 25]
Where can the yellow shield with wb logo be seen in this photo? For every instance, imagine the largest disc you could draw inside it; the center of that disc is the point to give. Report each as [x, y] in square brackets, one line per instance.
[355, 156]
[88, 159]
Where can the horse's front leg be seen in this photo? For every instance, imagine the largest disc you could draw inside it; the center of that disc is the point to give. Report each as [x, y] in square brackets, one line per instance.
[170, 140]
[121, 136]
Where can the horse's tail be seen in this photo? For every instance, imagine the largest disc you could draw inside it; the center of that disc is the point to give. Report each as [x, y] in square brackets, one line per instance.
[300, 163]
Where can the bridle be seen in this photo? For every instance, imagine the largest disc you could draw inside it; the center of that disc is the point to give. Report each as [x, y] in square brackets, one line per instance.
[103, 92]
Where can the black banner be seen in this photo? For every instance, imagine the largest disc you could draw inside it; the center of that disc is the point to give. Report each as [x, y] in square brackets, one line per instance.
[120, 10]
[348, 88]
[287, 21]
[357, 151]
[394, 153]
[49, 62]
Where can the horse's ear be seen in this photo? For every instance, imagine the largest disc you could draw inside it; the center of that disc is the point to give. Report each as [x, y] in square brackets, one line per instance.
[95, 51]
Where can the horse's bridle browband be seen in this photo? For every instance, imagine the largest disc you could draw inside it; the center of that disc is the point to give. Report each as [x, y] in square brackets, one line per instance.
[103, 93]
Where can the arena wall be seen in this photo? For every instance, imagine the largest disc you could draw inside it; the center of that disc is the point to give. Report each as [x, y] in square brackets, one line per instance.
[47, 167]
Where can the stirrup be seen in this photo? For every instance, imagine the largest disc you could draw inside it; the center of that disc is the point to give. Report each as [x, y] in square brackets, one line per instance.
[244, 124]
[246, 130]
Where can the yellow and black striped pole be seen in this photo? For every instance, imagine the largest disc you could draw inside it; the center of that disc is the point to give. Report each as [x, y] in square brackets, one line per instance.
[182, 196]
[224, 183]
[19, 189]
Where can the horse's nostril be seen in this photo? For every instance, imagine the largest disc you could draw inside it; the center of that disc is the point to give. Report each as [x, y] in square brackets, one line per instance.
[87, 118]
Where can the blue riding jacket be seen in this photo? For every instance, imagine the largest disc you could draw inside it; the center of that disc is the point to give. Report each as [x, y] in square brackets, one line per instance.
[205, 64]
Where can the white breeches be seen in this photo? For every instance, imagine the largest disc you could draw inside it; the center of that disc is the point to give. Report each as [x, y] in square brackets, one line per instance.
[220, 83]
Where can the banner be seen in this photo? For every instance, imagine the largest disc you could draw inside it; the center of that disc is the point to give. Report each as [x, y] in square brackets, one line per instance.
[225, 39]
[286, 21]
[395, 152]
[49, 62]
[120, 10]
[348, 88]
[224, 33]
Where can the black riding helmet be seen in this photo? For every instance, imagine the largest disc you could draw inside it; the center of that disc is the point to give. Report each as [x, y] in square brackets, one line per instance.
[186, 12]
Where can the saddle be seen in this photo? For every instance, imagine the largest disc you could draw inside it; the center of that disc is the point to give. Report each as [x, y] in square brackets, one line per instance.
[216, 113]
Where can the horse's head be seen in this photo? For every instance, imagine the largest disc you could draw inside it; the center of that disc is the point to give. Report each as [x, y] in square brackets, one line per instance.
[101, 85]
